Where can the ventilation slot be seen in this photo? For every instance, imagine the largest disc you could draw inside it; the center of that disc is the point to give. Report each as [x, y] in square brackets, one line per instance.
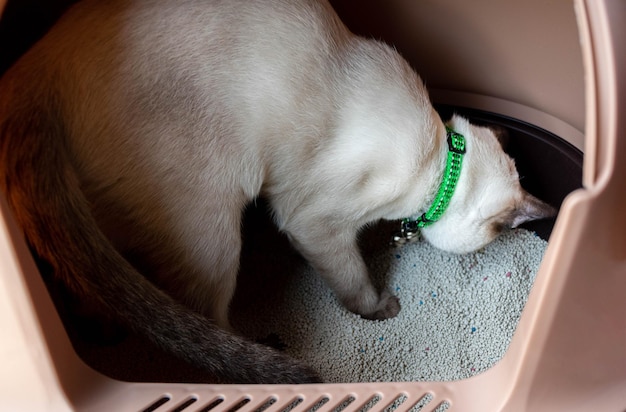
[424, 400]
[370, 403]
[185, 404]
[269, 402]
[297, 401]
[239, 405]
[211, 405]
[323, 401]
[396, 403]
[344, 404]
[157, 404]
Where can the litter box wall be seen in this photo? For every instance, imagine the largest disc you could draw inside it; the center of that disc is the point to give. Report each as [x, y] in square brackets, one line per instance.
[568, 351]
[515, 58]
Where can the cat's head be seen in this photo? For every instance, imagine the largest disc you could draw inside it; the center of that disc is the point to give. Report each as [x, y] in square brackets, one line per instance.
[488, 198]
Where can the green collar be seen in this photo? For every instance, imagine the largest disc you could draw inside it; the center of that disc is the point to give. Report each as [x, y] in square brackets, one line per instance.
[409, 231]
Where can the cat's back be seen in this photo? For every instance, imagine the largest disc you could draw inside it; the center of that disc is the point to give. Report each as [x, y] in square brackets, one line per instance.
[140, 87]
[130, 55]
[183, 31]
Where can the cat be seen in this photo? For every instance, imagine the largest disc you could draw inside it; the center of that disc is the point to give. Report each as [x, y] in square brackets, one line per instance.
[133, 135]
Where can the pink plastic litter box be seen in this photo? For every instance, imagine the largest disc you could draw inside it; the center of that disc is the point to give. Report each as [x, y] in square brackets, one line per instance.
[569, 350]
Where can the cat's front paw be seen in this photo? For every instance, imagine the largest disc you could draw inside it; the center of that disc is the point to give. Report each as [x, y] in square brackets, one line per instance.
[388, 307]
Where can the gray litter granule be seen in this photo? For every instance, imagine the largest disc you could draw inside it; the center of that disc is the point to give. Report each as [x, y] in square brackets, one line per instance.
[459, 313]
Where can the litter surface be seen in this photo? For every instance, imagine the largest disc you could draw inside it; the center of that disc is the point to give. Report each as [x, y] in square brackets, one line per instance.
[459, 312]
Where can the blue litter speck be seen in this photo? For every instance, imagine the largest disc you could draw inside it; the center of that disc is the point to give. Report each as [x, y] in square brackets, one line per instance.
[433, 294]
[473, 329]
[381, 339]
[421, 302]
[397, 288]
[398, 256]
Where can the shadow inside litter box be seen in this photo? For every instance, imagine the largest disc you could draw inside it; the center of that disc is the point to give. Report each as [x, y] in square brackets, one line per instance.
[269, 263]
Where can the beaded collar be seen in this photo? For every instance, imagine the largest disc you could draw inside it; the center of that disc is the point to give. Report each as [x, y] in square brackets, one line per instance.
[409, 229]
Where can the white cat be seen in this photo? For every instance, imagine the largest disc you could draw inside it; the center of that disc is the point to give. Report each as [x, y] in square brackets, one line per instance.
[135, 132]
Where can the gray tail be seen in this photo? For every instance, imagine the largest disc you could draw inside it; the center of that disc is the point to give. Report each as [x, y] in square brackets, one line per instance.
[41, 186]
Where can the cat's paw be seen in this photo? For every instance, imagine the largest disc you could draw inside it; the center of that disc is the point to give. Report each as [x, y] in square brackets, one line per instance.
[388, 307]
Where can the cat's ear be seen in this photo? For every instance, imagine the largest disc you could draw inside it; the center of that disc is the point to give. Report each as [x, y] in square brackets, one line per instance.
[531, 208]
[501, 134]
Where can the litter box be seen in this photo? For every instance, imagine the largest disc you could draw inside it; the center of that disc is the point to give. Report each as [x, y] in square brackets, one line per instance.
[522, 64]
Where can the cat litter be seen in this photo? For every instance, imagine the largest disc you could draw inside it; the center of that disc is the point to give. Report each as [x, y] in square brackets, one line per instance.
[459, 312]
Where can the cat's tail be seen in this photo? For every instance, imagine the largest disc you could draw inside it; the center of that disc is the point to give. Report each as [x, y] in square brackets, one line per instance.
[42, 187]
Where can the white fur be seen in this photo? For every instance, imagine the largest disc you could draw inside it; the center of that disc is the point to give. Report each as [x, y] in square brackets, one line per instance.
[181, 112]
